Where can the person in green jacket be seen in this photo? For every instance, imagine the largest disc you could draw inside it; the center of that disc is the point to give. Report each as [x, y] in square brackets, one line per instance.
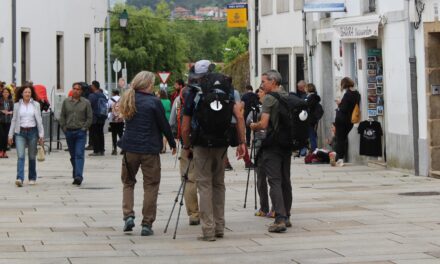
[167, 105]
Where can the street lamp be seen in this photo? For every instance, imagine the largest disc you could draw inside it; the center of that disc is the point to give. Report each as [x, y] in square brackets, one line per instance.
[123, 19]
[123, 22]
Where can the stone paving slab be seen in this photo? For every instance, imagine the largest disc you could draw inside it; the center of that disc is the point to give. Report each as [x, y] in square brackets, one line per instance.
[353, 214]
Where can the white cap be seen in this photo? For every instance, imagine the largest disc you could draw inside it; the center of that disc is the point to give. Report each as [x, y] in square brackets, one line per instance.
[202, 66]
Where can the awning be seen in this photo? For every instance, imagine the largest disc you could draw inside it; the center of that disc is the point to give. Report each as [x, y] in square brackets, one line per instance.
[357, 27]
[323, 7]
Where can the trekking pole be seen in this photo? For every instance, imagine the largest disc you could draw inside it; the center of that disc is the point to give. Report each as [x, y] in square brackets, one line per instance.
[172, 210]
[254, 117]
[184, 179]
[177, 155]
[253, 151]
[181, 188]
[248, 175]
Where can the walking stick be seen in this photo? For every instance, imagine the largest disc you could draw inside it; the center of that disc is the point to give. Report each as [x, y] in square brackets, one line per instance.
[254, 118]
[181, 191]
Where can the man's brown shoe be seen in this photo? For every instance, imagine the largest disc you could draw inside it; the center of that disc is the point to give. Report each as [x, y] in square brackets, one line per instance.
[277, 227]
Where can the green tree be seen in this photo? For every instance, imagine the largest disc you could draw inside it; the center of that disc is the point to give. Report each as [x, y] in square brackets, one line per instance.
[150, 41]
[234, 47]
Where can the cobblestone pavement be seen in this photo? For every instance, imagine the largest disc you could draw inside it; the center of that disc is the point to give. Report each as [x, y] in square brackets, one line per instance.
[353, 214]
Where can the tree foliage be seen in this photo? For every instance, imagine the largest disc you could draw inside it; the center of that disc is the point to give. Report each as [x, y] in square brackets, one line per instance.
[150, 41]
[234, 47]
[239, 70]
[154, 42]
[189, 4]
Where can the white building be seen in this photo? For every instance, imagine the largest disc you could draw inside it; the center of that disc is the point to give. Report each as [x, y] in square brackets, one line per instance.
[392, 54]
[276, 40]
[54, 44]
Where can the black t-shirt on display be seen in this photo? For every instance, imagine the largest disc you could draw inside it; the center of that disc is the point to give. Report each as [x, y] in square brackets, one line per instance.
[371, 138]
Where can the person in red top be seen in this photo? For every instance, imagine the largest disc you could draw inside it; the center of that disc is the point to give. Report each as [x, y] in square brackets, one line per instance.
[178, 86]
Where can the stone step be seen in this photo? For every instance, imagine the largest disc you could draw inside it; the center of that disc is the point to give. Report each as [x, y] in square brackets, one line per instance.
[434, 174]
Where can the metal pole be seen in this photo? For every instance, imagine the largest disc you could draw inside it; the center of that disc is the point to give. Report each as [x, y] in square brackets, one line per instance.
[95, 54]
[14, 41]
[109, 49]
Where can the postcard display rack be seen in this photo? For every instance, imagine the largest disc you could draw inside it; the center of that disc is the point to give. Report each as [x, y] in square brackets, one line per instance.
[375, 84]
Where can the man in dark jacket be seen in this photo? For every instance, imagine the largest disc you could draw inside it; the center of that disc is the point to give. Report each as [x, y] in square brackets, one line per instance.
[97, 128]
[250, 100]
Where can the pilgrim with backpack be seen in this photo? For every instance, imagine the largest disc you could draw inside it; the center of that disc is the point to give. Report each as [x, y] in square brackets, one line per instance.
[284, 117]
[206, 128]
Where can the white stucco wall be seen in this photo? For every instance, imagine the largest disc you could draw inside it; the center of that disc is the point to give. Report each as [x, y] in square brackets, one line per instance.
[43, 19]
[5, 47]
[279, 30]
[396, 77]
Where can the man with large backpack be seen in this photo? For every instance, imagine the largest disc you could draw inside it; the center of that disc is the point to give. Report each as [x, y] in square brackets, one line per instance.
[277, 147]
[206, 129]
[99, 107]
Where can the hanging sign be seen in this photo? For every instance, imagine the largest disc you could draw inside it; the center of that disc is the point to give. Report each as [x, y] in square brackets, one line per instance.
[237, 15]
[358, 31]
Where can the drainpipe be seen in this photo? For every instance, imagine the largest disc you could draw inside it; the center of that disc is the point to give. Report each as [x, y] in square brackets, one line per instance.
[414, 97]
[14, 41]
[306, 55]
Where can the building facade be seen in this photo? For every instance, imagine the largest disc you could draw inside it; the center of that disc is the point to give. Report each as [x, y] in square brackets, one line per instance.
[390, 49]
[276, 40]
[52, 42]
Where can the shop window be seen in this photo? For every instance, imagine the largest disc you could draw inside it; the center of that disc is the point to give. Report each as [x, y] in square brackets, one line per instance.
[266, 7]
[87, 60]
[282, 6]
[266, 63]
[60, 62]
[372, 6]
[299, 67]
[284, 70]
[25, 57]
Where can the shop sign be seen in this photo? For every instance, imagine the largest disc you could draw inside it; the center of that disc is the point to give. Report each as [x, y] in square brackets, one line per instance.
[358, 31]
[237, 15]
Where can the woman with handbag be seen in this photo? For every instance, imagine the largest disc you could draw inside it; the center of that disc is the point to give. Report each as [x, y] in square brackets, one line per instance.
[6, 109]
[27, 126]
[343, 121]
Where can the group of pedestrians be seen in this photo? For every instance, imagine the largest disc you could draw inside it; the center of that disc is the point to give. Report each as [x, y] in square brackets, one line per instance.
[205, 117]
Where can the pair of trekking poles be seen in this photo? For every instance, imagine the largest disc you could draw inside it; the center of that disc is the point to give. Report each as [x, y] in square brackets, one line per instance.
[252, 156]
[180, 192]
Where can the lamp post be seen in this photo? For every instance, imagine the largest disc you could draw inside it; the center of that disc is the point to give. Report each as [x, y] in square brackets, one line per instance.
[123, 23]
